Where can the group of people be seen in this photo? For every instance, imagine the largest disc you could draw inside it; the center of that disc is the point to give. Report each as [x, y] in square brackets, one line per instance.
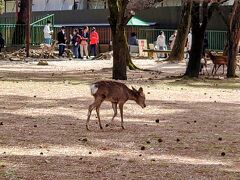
[161, 41]
[80, 40]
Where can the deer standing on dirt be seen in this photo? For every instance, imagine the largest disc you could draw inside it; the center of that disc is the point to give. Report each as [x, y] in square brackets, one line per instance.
[48, 48]
[217, 60]
[115, 92]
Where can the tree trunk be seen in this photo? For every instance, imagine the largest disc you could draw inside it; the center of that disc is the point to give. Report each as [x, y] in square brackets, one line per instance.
[199, 24]
[177, 53]
[120, 50]
[118, 21]
[194, 63]
[20, 29]
[233, 39]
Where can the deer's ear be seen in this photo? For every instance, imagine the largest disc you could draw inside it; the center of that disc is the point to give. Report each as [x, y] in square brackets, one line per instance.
[140, 90]
[134, 89]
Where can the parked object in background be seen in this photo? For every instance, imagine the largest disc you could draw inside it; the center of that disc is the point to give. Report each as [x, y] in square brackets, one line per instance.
[115, 92]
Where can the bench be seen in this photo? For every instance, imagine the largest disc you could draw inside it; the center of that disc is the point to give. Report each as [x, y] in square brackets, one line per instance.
[151, 52]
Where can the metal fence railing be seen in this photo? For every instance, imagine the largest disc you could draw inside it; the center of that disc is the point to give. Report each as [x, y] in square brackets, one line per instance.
[14, 34]
[216, 39]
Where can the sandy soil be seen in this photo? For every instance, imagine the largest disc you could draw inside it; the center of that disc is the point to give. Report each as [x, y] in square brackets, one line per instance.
[189, 129]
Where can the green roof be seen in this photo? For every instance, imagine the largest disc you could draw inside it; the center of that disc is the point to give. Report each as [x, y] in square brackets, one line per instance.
[137, 22]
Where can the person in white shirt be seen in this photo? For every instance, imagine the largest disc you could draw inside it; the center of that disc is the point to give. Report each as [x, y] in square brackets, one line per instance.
[161, 43]
[48, 33]
[189, 39]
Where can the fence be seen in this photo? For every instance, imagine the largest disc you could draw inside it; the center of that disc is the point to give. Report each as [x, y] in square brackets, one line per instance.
[15, 34]
[216, 39]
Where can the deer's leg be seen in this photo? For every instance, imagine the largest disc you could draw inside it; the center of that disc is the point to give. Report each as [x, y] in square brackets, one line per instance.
[97, 110]
[121, 112]
[114, 106]
[90, 108]
[223, 69]
[217, 69]
[213, 68]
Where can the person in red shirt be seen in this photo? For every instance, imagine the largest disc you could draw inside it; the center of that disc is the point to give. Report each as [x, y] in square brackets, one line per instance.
[94, 40]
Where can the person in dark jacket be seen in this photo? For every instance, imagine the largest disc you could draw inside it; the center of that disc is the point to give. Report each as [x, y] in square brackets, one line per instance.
[75, 43]
[133, 39]
[2, 42]
[61, 37]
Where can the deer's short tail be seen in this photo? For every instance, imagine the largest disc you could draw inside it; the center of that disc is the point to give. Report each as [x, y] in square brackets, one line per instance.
[94, 89]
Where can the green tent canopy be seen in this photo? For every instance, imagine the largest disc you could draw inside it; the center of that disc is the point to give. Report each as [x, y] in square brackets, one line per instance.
[137, 22]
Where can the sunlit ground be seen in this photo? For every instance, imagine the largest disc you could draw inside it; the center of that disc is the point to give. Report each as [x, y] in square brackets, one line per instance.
[189, 129]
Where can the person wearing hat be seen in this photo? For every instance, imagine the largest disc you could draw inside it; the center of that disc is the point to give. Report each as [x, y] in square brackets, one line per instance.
[94, 40]
[61, 37]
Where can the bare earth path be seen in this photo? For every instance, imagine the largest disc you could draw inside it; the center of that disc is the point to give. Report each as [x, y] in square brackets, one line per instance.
[42, 125]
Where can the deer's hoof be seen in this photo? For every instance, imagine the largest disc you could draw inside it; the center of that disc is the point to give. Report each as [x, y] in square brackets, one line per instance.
[101, 127]
[87, 128]
[123, 127]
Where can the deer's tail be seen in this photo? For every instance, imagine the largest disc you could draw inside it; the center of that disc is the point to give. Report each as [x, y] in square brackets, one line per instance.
[94, 89]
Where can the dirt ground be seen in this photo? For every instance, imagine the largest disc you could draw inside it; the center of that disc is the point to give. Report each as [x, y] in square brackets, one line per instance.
[189, 129]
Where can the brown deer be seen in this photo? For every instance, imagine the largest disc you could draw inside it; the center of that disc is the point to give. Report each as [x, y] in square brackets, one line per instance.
[48, 48]
[115, 92]
[218, 61]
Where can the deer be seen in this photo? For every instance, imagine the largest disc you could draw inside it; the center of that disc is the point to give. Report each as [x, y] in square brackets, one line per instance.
[217, 60]
[203, 65]
[48, 48]
[115, 92]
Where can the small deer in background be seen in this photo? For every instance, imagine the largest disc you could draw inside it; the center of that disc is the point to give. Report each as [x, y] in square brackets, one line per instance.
[48, 48]
[218, 61]
[115, 92]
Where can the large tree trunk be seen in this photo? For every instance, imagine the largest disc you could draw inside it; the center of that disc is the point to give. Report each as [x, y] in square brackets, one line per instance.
[199, 24]
[120, 50]
[177, 53]
[194, 63]
[118, 21]
[20, 29]
[233, 39]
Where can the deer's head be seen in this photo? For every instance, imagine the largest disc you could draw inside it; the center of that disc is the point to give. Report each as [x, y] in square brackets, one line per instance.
[140, 97]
